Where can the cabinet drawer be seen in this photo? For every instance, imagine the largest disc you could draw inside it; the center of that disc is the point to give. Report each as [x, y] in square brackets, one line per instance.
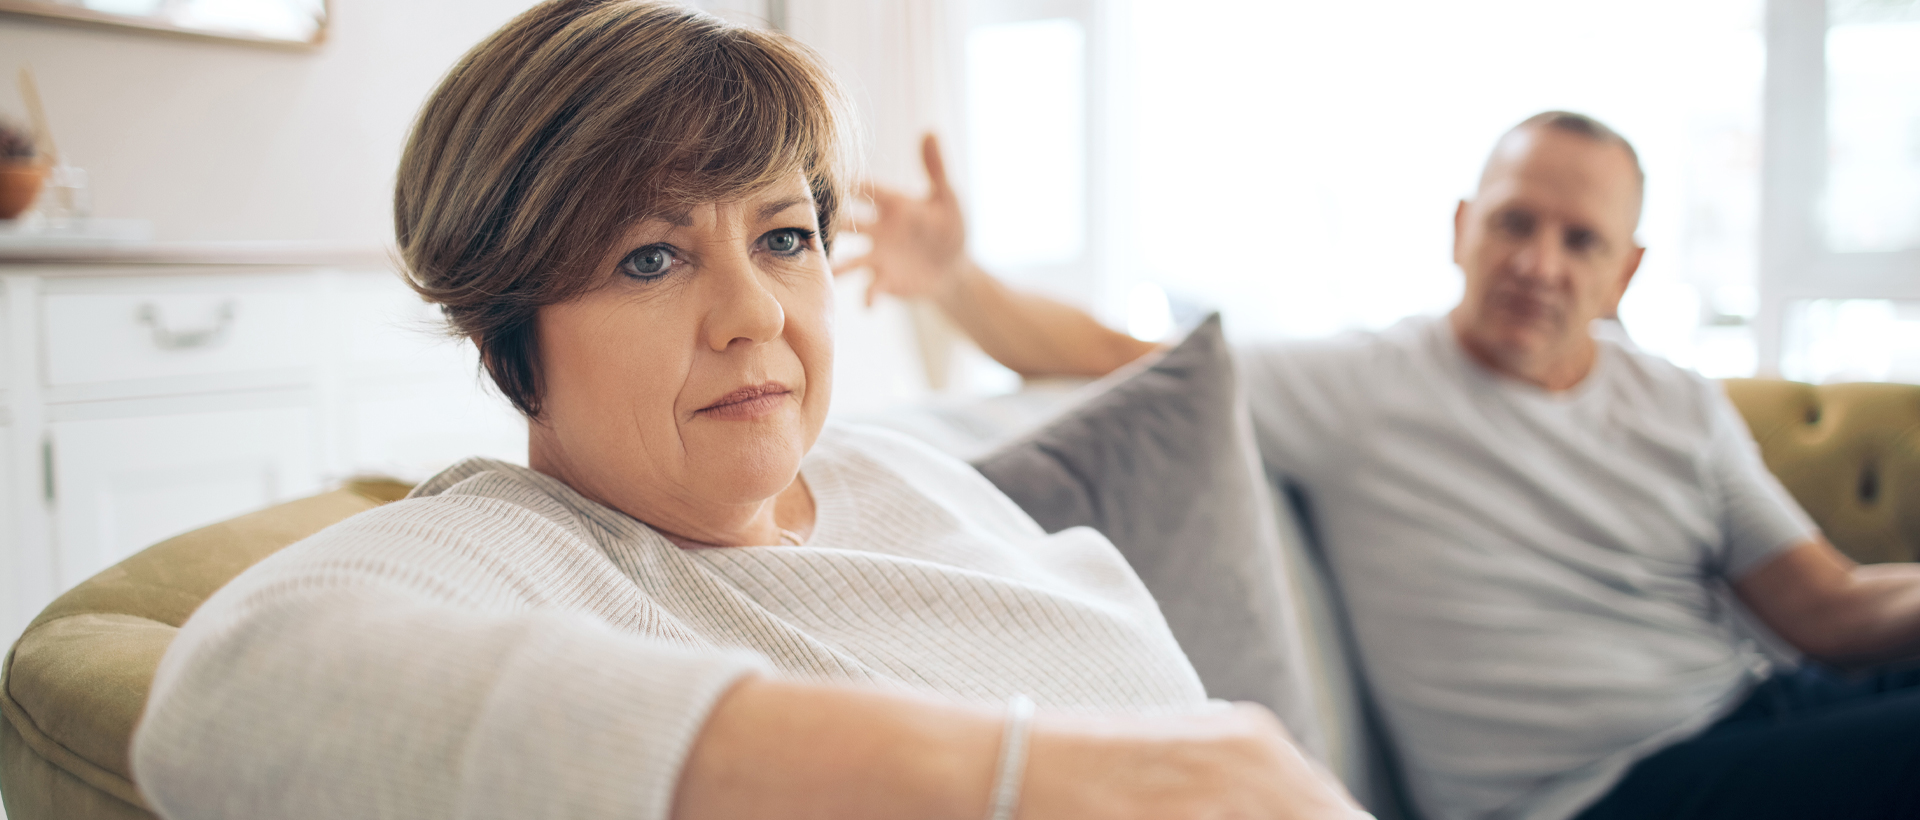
[177, 329]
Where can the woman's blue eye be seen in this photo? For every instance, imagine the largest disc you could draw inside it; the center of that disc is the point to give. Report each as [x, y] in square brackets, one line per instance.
[786, 242]
[647, 262]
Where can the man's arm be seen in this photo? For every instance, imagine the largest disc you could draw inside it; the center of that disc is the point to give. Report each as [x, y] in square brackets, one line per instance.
[920, 251]
[1835, 610]
[1031, 334]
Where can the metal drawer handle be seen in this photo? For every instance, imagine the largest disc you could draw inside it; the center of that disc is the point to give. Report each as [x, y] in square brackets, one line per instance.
[166, 338]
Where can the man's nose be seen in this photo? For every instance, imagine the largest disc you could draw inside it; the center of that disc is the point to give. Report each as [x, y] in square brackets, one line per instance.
[1543, 260]
[741, 308]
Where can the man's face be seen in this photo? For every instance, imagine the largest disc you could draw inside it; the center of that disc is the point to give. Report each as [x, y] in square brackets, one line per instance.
[1546, 246]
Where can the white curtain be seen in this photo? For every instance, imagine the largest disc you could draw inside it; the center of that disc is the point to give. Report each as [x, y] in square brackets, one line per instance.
[899, 62]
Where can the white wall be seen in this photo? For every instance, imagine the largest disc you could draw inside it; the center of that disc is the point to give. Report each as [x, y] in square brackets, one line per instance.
[222, 141]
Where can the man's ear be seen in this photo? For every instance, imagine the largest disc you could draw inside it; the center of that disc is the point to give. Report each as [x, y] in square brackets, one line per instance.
[1627, 269]
[1459, 233]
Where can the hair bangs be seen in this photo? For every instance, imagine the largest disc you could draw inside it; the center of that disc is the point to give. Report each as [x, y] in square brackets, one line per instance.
[750, 113]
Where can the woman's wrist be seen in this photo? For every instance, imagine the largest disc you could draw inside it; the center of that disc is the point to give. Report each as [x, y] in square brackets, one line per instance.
[1012, 765]
[774, 748]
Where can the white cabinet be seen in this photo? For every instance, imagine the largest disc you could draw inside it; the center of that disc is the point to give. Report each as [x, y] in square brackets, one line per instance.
[411, 399]
[144, 397]
[123, 484]
[11, 564]
[413, 429]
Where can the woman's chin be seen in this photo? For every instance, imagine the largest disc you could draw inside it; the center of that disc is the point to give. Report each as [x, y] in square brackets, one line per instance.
[746, 462]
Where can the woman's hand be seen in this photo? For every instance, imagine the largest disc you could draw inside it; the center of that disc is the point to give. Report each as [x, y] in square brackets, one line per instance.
[1237, 763]
[919, 245]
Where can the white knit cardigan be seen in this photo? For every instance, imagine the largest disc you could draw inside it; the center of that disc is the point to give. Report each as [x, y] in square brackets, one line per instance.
[498, 646]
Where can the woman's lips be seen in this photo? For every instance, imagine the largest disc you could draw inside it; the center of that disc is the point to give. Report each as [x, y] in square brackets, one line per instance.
[748, 403]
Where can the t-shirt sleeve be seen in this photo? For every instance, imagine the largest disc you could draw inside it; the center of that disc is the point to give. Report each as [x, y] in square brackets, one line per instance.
[1759, 518]
[345, 694]
[1297, 397]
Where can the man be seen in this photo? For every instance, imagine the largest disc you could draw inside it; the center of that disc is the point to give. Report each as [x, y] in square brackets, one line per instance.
[1540, 535]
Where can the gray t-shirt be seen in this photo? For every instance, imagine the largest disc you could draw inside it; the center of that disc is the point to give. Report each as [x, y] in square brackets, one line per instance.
[1537, 580]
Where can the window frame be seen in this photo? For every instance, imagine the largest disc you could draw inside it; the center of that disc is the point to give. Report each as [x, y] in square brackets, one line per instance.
[1086, 280]
[1795, 263]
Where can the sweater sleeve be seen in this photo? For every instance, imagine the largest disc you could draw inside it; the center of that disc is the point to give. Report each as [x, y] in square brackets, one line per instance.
[1760, 519]
[308, 696]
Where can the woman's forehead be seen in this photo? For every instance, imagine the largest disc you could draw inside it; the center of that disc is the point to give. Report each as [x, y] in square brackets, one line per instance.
[762, 203]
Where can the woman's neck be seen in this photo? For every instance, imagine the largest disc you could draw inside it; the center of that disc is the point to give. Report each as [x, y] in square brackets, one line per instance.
[787, 520]
[682, 516]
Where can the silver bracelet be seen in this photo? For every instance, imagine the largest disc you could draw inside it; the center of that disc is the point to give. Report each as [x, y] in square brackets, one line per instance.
[1013, 758]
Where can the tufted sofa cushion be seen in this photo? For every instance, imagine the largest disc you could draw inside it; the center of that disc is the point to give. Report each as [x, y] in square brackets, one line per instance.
[76, 682]
[1849, 452]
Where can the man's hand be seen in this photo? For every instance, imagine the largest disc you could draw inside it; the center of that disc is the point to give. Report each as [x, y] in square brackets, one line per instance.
[920, 251]
[919, 245]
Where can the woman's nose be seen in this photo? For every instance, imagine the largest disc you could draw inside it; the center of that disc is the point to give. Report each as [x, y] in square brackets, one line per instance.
[741, 308]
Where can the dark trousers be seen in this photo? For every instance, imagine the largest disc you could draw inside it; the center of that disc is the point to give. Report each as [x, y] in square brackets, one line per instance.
[1806, 744]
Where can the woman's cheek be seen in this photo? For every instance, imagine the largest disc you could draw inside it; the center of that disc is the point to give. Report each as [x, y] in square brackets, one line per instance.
[813, 341]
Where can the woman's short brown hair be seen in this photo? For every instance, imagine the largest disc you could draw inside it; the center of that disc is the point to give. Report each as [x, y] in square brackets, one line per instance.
[575, 120]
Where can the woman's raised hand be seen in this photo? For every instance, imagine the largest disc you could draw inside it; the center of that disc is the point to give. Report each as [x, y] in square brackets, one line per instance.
[1237, 763]
[919, 244]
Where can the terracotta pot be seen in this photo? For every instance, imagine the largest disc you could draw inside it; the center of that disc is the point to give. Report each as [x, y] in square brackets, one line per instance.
[19, 184]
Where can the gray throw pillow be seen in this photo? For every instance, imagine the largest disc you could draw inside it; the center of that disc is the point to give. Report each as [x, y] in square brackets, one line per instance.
[1161, 460]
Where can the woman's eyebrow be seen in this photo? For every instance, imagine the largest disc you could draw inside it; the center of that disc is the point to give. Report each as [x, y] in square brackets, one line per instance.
[773, 209]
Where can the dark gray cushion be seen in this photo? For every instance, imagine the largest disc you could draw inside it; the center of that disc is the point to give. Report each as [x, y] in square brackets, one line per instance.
[1160, 458]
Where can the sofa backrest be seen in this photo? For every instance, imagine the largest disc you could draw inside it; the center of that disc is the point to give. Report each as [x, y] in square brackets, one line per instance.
[1850, 453]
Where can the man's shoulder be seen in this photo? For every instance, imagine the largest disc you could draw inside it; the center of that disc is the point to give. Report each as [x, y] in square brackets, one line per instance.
[1351, 358]
[1312, 401]
[1653, 384]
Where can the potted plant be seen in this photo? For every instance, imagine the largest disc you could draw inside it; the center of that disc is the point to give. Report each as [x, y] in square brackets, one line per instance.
[21, 174]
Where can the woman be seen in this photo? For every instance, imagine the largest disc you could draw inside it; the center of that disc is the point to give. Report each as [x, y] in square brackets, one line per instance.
[696, 604]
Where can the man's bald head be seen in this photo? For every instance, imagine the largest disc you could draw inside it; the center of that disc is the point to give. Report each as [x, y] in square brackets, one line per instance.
[1565, 122]
[1547, 246]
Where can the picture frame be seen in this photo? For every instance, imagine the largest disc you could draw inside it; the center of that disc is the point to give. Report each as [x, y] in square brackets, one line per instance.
[297, 24]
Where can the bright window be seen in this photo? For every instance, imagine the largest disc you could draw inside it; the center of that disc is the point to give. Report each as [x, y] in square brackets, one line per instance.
[1835, 340]
[1297, 164]
[1841, 254]
[1026, 128]
[1873, 128]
